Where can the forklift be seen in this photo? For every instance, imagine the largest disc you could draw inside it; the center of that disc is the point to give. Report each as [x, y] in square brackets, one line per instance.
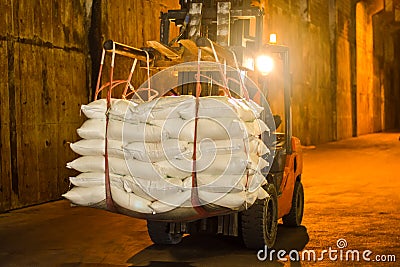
[230, 33]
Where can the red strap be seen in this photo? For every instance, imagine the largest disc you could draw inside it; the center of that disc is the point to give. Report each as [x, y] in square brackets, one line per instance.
[247, 153]
[201, 211]
[195, 194]
[109, 201]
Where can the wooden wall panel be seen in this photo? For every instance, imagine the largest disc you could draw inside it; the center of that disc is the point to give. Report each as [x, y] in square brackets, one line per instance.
[344, 105]
[71, 93]
[58, 30]
[6, 17]
[45, 110]
[364, 48]
[5, 163]
[23, 18]
[43, 65]
[47, 164]
[343, 97]
[25, 107]
[78, 27]
[6, 60]
[49, 132]
[309, 45]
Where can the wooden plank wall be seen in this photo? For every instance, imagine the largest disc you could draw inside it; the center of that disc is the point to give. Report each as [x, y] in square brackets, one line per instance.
[306, 33]
[43, 70]
[132, 23]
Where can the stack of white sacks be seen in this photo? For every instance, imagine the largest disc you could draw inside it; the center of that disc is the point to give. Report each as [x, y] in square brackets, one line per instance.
[150, 151]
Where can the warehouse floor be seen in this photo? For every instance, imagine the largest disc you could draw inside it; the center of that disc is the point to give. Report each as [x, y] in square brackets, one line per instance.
[352, 193]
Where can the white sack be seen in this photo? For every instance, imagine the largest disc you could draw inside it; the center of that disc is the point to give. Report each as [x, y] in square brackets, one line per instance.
[253, 145]
[130, 201]
[160, 109]
[152, 152]
[249, 110]
[170, 202]
[135, 168]
[86, 196]
[256, 181]
[119, 130]
[257, 163]
[129, 132]
[227, 183]
[232, 200]
[213, 128]
[219, 183]
[213, 147]
[209, 146]
[254, 106]
[92, 129]
[170, 169]
[153, 171]
[260, 193]
[95, 147]
[218, 128]
[214, 165]
[130, 187]
[257, 146]
[256, 127]
[96, 109]
[163, 103]
[159, 189]
[222, 106]
[97, 164]
[89, 179]
[120, 110]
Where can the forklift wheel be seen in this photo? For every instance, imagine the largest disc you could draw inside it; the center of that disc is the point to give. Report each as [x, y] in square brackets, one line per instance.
[260, 221]
[160, 235]
[295, 216]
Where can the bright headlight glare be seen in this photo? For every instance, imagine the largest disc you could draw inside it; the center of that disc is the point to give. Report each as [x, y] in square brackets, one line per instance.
[264, 64]
[272, 38]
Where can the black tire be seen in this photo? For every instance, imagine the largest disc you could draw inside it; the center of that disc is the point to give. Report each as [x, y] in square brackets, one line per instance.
[260, 221]
[295, 216]
[160, 235]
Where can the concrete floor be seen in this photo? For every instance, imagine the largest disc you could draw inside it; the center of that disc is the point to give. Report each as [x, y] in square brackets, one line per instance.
[352, 193]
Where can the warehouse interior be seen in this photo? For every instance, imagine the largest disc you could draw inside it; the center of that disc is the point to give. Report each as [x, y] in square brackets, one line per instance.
[344, 66]
[344, 63]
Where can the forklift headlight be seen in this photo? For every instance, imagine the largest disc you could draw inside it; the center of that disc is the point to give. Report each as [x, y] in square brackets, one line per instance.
[264, 64]
[272, 38]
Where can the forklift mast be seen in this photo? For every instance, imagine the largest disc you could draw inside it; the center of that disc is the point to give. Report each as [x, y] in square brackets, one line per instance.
[227, 23]
[234, 26]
